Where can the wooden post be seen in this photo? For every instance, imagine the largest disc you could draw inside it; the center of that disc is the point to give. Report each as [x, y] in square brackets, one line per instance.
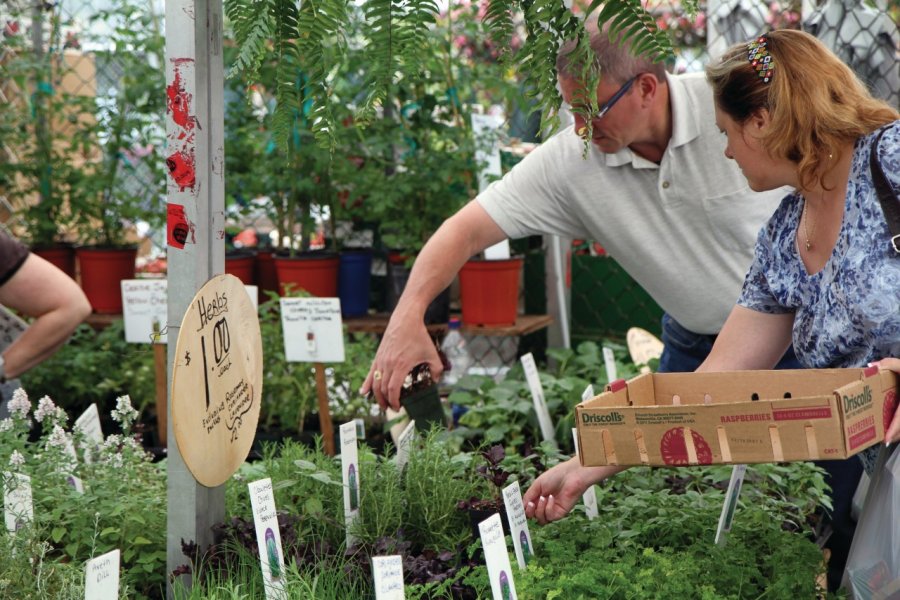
[325, 423]
[162, 393]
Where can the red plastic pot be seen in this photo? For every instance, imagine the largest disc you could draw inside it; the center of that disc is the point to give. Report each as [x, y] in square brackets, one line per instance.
[266, 275]
[102, 270]
[489, 291]
[61, 257]
[315, 273]
[242, 265]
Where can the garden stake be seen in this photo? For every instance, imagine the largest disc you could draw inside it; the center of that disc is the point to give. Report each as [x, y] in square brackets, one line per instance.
[325, 424]
[159, 366]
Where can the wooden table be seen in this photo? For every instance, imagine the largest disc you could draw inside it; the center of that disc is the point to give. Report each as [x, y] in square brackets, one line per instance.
[524, 324]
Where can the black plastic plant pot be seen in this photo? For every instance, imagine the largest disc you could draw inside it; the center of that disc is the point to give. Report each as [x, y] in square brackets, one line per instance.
[425, 407]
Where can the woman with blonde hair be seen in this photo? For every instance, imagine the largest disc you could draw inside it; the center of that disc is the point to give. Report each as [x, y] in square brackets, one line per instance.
[825, 274]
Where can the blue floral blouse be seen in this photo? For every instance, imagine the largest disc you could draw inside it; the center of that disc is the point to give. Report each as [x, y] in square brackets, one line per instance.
[847, 314]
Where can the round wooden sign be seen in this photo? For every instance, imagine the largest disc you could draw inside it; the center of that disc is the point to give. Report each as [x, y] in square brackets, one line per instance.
[217, 380]
[642, 345]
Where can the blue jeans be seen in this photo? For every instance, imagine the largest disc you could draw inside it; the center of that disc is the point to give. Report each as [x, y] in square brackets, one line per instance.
[685, 350]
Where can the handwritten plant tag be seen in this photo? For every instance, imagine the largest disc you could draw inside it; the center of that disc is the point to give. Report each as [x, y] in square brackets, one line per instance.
[387, 571]
[497, 558]
[518, 523]
[17, 506]
[404, 444]
[145, 310]
[590, 495]
[537, 396]
[731, 497]
[350, 476]
[268, 537]
[609, 360]
[312, 330]
[101, 577]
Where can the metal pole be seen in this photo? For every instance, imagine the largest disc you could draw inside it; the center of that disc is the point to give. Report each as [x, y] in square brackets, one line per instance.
[196, 252]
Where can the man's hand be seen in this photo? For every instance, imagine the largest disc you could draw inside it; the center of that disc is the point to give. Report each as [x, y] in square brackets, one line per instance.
[553, 495]
[405, 344]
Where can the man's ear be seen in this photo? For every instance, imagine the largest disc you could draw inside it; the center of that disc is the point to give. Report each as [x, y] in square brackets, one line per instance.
[647, 86]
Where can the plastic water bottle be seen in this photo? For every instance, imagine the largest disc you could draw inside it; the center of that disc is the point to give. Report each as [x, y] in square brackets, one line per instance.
[454, 348]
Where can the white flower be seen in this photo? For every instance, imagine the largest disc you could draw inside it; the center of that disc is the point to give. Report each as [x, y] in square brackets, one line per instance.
[46, 408]
[19, 405]
[124, 413]
[16, 459]
[5, 425]
[58, 437]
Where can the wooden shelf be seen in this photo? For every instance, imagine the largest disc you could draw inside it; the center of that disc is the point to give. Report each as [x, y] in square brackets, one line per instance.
[524, 324]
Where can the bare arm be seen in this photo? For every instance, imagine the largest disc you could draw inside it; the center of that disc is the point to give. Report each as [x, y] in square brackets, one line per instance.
[750, 340]
[406, 342]
[40, 290]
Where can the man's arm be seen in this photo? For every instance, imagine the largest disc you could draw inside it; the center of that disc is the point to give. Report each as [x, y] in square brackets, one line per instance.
[406, 342]
[40, 290]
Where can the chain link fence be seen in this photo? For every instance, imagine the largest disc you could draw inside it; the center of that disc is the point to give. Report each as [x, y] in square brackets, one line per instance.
[864, 34]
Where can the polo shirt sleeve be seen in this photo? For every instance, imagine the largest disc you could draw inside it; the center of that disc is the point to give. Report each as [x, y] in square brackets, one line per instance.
[12, 255]
[756, 293]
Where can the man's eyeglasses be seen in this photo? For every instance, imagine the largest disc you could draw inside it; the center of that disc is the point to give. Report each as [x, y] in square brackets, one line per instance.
[615, 97]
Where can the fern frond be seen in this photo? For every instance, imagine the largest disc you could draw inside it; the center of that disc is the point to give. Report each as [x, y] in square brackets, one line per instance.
[638, 26]
[253, 23]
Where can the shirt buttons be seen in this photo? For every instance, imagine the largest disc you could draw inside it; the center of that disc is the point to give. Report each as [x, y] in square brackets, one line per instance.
[665, 185]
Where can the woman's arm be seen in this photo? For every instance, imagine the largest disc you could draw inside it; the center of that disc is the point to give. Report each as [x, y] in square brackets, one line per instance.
[750, 340]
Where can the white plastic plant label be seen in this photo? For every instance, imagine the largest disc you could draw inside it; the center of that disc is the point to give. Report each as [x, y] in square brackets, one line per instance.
[487, 148]
[609, 360]
[537, 396]
[268, 537]
[17, 506]
[101, 577]
[404, 444]
[590, 495]
[497, 558]
[499, 251]
[350, 476]
[75, 482]
[731, 497]
[89, 424]
[588, 393]
[312, 329]
[387, 572]
[518, 524]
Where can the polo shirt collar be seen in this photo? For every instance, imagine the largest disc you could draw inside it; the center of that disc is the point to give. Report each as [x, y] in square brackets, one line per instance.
[685, 127]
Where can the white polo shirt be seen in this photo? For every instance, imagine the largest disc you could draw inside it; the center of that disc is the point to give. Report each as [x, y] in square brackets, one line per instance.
[684, 229]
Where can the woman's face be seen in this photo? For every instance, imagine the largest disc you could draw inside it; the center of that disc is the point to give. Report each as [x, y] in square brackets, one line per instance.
[744, 146]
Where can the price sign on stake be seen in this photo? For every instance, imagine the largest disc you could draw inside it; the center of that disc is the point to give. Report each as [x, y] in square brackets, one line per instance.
[731, 498]
[217, 380]
[518, 523]
[590, 495]
[17, 507]
[101, 577]
[387, 571]
[350, 476]
[537, 396]
[609, 360]
[497, 558]
[268, 538]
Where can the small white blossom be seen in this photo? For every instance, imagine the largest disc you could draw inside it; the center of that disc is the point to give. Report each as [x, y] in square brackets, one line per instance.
[16, 459]
[58, 438]
[124, 413]
[19, 405]
[46, 408]
[5, 425]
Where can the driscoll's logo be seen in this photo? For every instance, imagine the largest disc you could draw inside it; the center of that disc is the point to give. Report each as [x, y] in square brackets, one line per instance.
[852, 403]
[613, 417]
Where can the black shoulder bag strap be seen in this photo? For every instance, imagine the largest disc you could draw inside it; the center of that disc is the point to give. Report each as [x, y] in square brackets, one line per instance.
[890, 202]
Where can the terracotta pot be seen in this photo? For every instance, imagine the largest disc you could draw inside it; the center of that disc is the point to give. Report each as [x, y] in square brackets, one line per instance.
[62, 256]
[315, 272]
[489, 291]
[102, 270]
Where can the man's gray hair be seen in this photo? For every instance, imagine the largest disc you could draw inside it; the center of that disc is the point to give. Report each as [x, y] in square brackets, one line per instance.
[614, 58]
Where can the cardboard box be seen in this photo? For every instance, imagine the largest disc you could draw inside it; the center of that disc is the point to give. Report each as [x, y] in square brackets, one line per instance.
[665, 419]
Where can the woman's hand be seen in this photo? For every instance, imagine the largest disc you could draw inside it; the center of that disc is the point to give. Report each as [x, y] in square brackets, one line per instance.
[892, 435]
[553, 495]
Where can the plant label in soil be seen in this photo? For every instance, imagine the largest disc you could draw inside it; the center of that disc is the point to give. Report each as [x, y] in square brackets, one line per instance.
[17, 507]
[588, 393]
[350, 476]
[313, 331]
[487, 151]
[89, 424]
[643, 346]
[101, 577]
[537, 396]
[518, 524]
[609, 361]
[404, 444]
[590, 495]
[387, 571]
[731, 497]
[268, 537]
[496, 557]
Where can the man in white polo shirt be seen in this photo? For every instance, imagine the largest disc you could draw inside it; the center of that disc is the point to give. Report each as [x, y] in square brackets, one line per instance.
[655, 189]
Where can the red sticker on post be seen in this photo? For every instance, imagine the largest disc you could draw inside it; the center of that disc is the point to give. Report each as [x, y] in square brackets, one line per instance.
[177, 226]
